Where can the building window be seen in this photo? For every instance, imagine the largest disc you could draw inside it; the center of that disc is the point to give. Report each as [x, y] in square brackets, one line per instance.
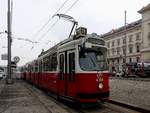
[124, 60]
[130, 60]
[130, 49]
[113, 44]
[108, 45]
[118, 60]
[138, 36]
[113, 51]
[149, 27]
[118, 42]
[148, 33]
[118, 51]
[124, 50]
[137, 59]
[130, 38]
[137, 48]
[124, 40]
[108, 52]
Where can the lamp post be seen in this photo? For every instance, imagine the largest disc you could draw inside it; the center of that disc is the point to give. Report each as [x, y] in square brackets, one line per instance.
[125, 26]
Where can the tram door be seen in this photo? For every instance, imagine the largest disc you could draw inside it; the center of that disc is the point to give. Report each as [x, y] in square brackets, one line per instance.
[71, 73]
[62, 84]
[66, 77]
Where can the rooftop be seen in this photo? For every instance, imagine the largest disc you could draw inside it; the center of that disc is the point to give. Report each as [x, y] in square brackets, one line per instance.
[129, 26]
[145, 8]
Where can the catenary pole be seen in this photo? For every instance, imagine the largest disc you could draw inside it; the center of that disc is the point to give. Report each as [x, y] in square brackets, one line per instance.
[9, 78]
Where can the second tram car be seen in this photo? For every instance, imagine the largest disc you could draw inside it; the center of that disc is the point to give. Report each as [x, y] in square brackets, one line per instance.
[74, 69]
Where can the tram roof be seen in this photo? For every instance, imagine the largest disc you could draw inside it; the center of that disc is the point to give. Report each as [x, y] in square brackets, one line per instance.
[54, 48]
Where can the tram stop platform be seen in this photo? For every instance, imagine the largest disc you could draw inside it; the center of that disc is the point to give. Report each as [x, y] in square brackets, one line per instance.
[21, 97]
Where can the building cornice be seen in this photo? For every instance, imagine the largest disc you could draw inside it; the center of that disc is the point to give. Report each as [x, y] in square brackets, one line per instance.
[121, 30]
[144, 9]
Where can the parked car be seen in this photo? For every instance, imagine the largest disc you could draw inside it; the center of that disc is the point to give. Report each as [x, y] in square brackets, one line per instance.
[143, 69]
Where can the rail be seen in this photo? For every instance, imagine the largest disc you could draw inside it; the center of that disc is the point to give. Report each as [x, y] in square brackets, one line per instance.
[132, 107]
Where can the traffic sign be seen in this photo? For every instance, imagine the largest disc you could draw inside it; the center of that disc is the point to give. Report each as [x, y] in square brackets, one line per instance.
[16, 59]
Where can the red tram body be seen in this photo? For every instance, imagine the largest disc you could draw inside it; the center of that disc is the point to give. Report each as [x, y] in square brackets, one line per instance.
[74, 69]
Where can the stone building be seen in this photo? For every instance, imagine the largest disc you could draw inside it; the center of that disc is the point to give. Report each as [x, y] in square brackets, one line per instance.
[130, 43]
[145, 28]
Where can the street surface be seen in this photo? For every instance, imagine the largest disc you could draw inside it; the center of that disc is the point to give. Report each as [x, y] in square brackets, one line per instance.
[132, 91]
[19, 98]
[22, 97]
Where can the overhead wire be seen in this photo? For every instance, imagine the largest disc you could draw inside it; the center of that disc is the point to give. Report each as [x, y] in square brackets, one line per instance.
[50, 18]
[57, 21]
[41, 29]
[37, 33]
[71, 6]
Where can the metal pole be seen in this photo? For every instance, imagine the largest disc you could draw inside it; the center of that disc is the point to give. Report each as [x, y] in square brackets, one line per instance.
[125, 12]
[74, 23]
[9, 79]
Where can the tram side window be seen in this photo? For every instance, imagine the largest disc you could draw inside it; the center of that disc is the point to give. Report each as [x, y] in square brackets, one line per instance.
[46, 64]
[61, 67]
[54, 62]
[29, 68]
[72, 66]
[49, 63]
[36, 66]
[40, 66]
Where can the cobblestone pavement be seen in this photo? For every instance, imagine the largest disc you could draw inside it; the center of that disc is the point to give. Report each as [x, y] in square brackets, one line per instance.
[22, 97]
[17, 98]
[133, 92]
[1, 85]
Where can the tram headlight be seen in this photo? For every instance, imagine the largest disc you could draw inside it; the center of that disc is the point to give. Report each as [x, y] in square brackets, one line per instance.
[100, 85]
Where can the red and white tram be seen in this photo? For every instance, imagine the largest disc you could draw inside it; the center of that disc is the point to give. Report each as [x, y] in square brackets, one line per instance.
[74, 69]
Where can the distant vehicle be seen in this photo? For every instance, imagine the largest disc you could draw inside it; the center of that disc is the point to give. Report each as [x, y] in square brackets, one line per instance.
[143, 69]
[127, 70]
[121, 71]
[132, 68]
[2, 74]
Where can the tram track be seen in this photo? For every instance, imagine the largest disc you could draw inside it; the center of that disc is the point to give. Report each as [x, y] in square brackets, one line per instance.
[132, 107]
[131, 78]
[107, 107]
[50, 103]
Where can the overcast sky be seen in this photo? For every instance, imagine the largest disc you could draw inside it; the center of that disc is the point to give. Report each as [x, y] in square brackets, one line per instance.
[99, 16]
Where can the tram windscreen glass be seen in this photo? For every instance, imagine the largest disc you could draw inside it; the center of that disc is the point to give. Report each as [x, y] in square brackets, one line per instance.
[92, 61]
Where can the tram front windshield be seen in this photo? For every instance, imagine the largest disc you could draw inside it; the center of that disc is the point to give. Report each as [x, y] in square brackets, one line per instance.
[92, 61]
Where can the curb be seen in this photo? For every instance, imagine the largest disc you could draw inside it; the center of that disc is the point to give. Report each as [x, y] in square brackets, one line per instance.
[142, 110]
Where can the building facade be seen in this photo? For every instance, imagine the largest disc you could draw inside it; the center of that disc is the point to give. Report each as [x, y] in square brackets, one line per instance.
[130, 43]
[145, 28]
